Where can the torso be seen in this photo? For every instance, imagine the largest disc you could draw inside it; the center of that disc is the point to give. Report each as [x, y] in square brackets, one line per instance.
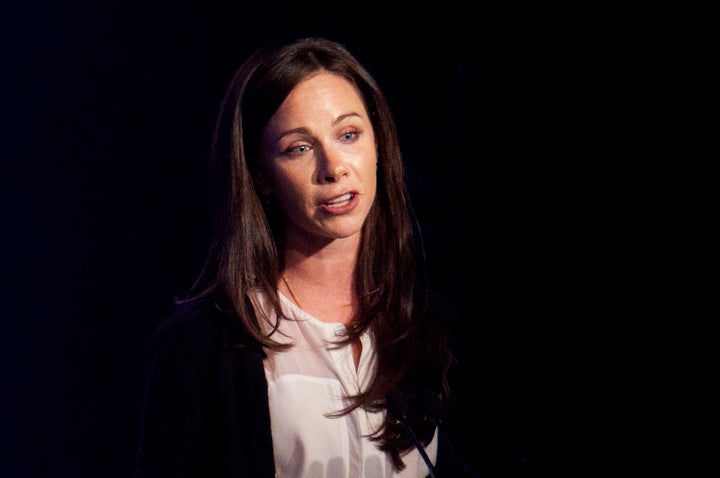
[307, 382]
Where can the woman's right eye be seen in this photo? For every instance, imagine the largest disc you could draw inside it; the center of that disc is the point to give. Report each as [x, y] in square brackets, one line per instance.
[297, 150]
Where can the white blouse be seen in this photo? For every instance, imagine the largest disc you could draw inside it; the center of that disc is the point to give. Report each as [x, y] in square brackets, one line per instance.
[307, 382]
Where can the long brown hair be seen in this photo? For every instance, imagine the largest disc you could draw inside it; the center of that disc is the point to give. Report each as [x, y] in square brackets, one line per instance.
[411, 353]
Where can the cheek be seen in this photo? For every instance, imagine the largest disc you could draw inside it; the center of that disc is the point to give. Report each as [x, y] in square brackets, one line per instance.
[373, 186]
[288, 191]
[370, 173]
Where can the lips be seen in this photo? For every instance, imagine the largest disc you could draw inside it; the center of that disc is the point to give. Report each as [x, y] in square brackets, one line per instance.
[339, 201]
[340, 205]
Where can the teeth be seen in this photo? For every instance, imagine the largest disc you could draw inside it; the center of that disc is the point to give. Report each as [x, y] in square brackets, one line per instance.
[343, 198]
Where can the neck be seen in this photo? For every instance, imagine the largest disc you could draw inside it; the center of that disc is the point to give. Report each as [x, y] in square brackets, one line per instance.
[322, 282]
[322, 263]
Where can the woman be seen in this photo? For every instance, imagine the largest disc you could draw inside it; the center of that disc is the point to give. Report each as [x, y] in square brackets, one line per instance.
[309, 317]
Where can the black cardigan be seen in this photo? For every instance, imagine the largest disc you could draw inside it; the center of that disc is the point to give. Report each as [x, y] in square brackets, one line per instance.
[205, 410]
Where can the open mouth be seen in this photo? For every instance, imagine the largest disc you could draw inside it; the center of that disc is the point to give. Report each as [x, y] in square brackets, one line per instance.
[340, 200]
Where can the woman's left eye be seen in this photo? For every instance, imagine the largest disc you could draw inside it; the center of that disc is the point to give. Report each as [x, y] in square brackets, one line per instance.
[350, 136]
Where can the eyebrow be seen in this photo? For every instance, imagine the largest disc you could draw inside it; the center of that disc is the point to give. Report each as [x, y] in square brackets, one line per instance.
[305, 131]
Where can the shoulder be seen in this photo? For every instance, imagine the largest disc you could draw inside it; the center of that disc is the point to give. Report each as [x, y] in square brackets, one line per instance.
[196, 321]
[196, 330]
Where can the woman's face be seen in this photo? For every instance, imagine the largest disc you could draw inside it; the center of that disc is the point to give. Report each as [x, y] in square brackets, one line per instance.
[319, 158]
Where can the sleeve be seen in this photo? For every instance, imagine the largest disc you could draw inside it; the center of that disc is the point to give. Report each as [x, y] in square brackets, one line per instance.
[175, 431]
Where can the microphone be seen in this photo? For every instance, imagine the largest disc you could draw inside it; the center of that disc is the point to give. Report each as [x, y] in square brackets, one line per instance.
[398, 407]
[434, 409]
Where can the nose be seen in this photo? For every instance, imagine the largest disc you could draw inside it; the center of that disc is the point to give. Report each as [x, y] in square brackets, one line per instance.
[332, 165]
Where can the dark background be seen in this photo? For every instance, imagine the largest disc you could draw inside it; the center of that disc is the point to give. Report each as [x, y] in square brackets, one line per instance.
[559, 159]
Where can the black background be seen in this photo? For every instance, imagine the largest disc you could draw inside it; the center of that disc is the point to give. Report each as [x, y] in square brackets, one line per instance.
[559, 159]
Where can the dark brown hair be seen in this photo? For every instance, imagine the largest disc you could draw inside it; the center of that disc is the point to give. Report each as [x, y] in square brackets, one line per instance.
[411, 352]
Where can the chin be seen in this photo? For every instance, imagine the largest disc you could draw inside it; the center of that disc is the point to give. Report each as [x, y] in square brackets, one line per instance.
[344, 232]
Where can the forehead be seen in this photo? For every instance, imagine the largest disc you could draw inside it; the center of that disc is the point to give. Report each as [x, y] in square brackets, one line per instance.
[323, 90]
[323, 80]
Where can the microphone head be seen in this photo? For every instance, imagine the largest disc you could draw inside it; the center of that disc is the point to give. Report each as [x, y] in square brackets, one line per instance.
[433, 404]
[396, 404]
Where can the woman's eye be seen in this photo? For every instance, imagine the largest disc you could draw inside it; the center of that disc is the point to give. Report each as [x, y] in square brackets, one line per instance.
[302, 149]
[350, 136]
